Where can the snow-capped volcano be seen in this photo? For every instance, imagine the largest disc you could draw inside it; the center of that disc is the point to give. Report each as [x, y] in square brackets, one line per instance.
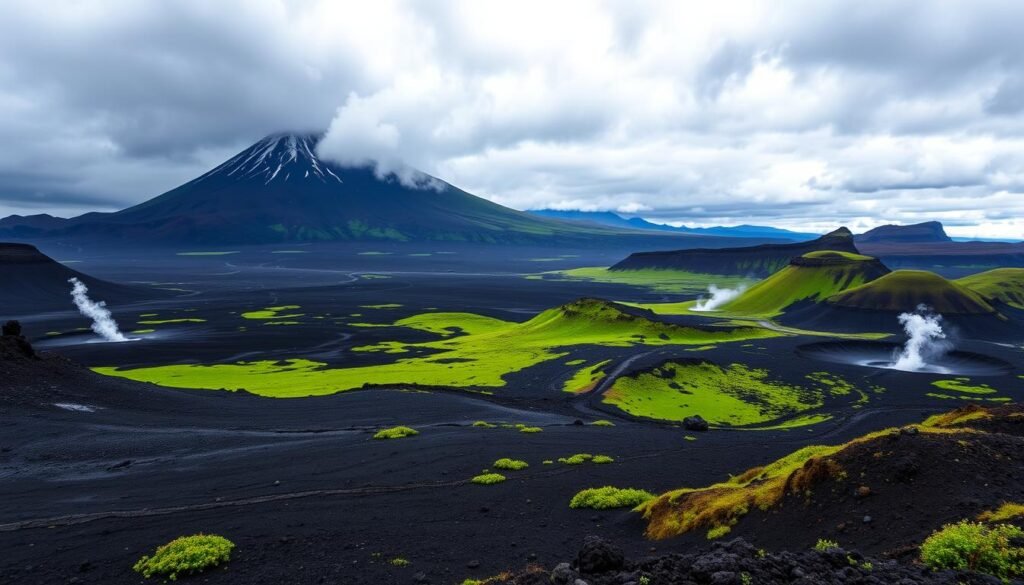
[279, 189]
[278, 157]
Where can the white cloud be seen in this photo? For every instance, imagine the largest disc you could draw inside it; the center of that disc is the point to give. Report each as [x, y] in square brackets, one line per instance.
[800, 115]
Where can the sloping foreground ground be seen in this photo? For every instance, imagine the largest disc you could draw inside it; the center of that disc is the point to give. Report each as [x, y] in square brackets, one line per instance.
[883, 492]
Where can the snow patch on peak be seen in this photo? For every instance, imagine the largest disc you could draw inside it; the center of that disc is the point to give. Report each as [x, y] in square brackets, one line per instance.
[288, 152]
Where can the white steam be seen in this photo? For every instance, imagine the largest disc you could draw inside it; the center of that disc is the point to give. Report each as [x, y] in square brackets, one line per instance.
[719, 296]
[102, 323]
[926, 341]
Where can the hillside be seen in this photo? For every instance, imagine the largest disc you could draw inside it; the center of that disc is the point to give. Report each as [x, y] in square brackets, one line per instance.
[904, 290]
[33, 283]
[883, 491]
[1002, 285]
[815, 276]
[755, 261]
[280, 190]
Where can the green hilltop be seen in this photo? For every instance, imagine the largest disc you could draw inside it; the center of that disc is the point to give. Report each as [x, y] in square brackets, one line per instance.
[1003, 285]
[903, 290]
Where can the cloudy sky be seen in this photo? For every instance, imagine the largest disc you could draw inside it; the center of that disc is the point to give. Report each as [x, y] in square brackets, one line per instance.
[804, 115]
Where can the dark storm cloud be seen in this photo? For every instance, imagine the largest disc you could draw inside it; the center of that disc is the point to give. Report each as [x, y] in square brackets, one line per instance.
[797, 114]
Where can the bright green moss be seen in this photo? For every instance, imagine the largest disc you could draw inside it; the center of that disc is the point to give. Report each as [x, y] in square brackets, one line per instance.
[488, 351]
[585, 379]
[976, 547]
[484, 424]
[186, 556]
[963, 385]
[1006, 511]
[718, 532]
[604, 498]
[399, 562]
[731, 395]
[280, 312]
[488, 478]
[510, 464]
[395, 433]
[602, 459]
[529, 430]
[603, 423]
[142, 331]
[824, 545]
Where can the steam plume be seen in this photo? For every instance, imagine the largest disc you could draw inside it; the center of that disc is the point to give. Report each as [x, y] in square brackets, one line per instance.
[102, 323]
[719, 296]
[926, 340]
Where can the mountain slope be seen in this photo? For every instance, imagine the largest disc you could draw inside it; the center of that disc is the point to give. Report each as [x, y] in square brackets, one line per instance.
[33, 283]
[929, 231]
[1004, 285]
[757, 261]
[279, 189]
[815, 276]
[904, 290]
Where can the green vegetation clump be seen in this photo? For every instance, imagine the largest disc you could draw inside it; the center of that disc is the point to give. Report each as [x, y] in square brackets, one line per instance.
[396, 433]
[1007, 511]
[976, 547]
[488, 478]
[482, 424]
[964, 386]
[279, 312]
[399, 562]
[525, 429]
[186, 556]
[719, 531]
[510, 464]
[824, 545]
[607, 497]
[577, 459]
[603, 423]
[732, 395]
[601, 459]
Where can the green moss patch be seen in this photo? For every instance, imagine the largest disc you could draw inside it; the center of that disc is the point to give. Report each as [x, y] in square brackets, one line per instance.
[279, 312]
[732, 395]
[488, 478]
[186, 556]
[604, 498]
[585, 379]
[479, 352]
[963, 385]
[396, 433]
[1004, 285]
[510, 464]
[670, 281]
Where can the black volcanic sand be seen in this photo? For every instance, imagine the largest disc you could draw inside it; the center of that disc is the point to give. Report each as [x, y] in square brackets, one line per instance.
[299, 484]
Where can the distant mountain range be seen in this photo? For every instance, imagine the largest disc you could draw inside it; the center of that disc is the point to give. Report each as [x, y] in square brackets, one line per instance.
[279, 189]
[755, 261]
[608, 218]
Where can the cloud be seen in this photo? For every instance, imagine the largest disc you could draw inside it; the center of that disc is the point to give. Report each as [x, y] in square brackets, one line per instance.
[801, 115]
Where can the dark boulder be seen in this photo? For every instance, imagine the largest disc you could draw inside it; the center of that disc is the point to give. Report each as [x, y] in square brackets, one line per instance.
[695, 423]
[599, 556]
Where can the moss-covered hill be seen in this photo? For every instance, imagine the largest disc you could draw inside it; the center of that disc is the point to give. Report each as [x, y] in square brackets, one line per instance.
[904, 290]
[877, 492]
[1002, 285]
[813, 276]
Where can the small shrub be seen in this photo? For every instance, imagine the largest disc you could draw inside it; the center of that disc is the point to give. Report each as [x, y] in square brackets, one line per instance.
[644, 580]
[488, 478]
[510, 464]
[484, 424]
[607, 497]
[185, 556]
[399, 562]
[548, 462]
[603, 423]
[577, 459]
[602, 459]
[1007, 511]
[825, 545]
[396, 433]
[719, 531]
[530, 429]
[976, 547]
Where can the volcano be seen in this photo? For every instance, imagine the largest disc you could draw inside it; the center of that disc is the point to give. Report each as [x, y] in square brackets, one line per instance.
[279, 190]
